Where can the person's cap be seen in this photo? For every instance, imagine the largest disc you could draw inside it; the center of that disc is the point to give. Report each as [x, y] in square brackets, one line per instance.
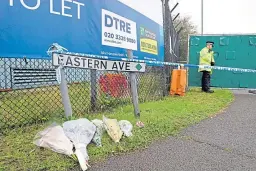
[210, 42]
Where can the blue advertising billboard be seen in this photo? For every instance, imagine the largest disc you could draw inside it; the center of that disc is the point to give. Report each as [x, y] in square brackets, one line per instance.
[98, 27]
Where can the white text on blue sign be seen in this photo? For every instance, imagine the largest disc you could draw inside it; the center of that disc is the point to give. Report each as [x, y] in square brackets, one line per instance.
[65, 6]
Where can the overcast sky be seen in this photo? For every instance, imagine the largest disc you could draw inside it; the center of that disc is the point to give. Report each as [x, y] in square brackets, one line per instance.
[220, 16]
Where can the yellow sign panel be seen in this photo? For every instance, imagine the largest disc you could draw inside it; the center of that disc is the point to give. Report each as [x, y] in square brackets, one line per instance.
[148, 46]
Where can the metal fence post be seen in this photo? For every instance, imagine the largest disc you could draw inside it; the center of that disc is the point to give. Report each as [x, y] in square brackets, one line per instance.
[64, 93]
[93, 89]
[167, 44]
[134, 90]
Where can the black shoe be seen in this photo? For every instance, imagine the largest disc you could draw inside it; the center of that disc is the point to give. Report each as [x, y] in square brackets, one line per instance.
[209, 91]
[203, 90]
[252, 91]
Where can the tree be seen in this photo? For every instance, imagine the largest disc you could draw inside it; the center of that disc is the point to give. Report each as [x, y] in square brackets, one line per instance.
[187, 28]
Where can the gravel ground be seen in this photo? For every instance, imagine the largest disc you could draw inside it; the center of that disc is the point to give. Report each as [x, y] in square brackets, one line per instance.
[226, 142]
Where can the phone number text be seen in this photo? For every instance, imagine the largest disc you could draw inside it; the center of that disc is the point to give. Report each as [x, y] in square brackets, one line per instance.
[119, 37]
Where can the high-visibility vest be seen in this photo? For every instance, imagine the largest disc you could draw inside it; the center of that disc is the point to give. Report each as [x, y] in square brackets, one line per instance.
[206, 57]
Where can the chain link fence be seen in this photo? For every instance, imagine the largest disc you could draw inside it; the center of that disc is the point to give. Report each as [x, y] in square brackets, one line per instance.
[29, 92]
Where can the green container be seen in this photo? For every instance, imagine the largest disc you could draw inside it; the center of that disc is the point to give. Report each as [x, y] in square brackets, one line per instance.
[236, 51]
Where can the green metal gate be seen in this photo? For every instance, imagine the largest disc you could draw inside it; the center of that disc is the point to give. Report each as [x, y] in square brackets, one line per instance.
[237, 51]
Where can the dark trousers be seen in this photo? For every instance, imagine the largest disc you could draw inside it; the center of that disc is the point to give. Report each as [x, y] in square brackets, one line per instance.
[206, 78]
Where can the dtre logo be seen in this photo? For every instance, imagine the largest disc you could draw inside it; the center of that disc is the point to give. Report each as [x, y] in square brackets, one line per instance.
[117, 23]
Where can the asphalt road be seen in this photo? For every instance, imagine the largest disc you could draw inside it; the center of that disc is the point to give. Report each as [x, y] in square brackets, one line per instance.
[226, 142]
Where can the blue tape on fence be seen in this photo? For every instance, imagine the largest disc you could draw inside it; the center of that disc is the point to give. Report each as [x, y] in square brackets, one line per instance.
[55, 48]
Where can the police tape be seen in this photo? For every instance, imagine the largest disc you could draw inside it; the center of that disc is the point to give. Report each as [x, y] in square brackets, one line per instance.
[163, 63]
[61, 50]
[193, 66]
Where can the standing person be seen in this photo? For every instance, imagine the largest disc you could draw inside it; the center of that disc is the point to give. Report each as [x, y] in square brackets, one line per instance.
[206, 58]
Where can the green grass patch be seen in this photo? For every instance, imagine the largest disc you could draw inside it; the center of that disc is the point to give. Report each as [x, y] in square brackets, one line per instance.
[161, 118]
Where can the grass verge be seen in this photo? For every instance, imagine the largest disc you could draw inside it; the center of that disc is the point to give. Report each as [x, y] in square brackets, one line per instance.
[162, 118]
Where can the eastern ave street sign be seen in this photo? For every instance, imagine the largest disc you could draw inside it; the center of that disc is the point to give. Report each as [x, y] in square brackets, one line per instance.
[98, 64]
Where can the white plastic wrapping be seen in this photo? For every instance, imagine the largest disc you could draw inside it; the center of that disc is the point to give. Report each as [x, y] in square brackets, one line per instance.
[126, 127]
[113, 129]
[99, 131]
[80, 132]
[54, 138]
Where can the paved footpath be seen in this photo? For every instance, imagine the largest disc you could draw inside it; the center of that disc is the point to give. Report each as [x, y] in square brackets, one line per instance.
[226, 142]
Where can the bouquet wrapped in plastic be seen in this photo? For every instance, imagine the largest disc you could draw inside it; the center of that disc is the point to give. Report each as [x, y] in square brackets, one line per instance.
[80, 132]
[99, 131]
[113, 129]
[54, 138]
[126, 127]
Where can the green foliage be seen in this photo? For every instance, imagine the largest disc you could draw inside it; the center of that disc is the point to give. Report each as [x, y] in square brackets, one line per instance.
[188, 28]
[109, 102]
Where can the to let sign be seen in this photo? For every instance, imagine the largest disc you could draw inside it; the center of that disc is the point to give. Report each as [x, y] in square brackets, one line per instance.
[74, 61]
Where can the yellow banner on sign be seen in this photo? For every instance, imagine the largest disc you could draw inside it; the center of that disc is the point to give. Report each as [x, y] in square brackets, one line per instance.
[148, 46]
